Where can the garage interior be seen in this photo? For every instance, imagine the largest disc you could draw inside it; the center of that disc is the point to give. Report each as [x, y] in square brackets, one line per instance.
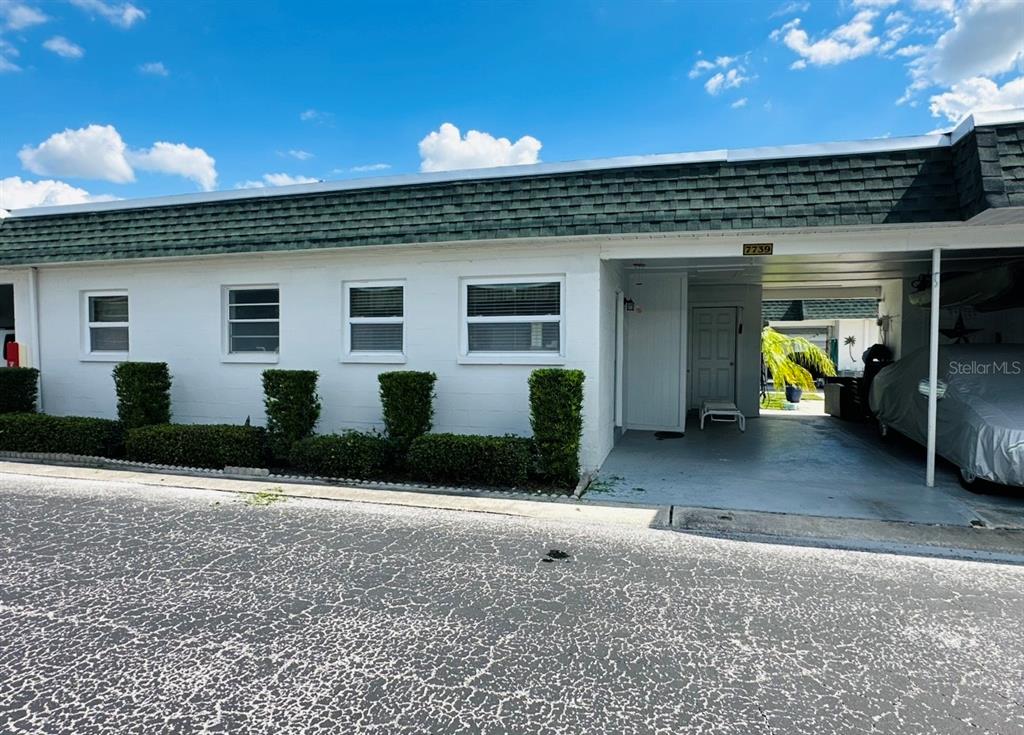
[792, 462]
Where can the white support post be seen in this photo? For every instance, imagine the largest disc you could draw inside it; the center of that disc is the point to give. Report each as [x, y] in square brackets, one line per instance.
[933, 365]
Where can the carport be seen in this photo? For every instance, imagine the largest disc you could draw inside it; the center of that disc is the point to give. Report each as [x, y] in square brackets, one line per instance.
[691, 331]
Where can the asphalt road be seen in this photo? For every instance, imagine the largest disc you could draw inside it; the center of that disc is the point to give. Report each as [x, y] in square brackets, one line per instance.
[142, 610]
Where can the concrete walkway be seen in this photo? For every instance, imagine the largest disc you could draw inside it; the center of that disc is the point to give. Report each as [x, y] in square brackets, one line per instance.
[795, 465]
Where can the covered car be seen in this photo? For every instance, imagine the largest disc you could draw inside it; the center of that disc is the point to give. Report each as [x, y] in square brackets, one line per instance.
[980, 421]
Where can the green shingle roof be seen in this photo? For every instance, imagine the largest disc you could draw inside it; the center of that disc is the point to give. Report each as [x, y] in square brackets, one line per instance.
[798, 310]
[823, 191]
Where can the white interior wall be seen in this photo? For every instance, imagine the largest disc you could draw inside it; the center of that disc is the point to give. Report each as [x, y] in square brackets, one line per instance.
[175, 316]
[748, 344]
[891, 306]
[612, 284]
[864, 331]
[1007, 324]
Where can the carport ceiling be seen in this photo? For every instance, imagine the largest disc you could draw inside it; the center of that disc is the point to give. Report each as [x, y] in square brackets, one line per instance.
[854, 269]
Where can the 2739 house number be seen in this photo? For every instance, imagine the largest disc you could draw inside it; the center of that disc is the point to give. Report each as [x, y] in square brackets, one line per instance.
[758, 248]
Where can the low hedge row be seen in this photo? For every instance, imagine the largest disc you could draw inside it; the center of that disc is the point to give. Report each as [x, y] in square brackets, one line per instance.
[469, 459]
[351, 454]
[214, 446]
[40, 432]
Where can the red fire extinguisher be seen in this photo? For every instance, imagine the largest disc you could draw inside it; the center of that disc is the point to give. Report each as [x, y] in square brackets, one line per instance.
[11, 353]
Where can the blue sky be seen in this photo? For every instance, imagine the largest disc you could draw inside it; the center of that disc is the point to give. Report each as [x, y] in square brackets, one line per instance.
[111, 98]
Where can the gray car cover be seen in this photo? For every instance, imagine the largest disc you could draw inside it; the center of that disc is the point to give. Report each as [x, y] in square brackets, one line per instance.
[981, 415]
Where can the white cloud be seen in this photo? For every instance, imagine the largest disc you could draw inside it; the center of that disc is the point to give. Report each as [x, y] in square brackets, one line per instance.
[728, 80]
[984, 43]
[986, 39]
[156, 68]
[288, 179]
[298, 154]
[897, 26]
[976, 95]
[940, 6]
[703, 65]
[313, 115]
[178, 159]
[912, 50]
[17, 193]
[845, 43]
[699, 68]
[93, 152]
[741, 102]
[370, 167]
[7, 52]
[874, 3]
[17, 16]
[731, 73]
[790, 8]
[99, 152]
[276, 180]
[63, 47]
[445, 149]
[124, 15]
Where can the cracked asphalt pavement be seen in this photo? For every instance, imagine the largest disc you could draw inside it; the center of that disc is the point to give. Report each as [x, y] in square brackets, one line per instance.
[129, 609]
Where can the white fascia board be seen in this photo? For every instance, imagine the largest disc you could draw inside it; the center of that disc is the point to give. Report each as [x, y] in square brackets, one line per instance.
[875, 145]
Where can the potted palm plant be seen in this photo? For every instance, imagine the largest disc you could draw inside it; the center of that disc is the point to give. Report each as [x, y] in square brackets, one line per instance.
[787, 360]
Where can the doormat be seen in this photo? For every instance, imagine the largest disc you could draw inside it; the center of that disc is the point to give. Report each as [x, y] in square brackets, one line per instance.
[659, 435]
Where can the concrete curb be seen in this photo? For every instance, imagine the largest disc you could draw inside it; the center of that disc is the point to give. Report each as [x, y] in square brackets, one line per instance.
[633, 516]
[854, 534]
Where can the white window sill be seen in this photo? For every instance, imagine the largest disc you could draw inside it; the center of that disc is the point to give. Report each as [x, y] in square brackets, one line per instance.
[103, 357]
[260, 358]
[511, 359]
[382, 358]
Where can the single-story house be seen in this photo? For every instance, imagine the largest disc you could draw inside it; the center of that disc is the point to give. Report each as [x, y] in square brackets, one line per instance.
[646, 272]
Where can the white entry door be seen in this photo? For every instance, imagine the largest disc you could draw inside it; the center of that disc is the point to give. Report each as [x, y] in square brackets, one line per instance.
[713, 354]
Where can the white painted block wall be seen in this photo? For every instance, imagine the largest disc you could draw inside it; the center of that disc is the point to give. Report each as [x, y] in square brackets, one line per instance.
[175, 316]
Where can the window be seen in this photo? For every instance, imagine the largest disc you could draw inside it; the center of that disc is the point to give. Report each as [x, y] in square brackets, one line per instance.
[106, 324]
[375, 321]
[521, 317]
[253, 320]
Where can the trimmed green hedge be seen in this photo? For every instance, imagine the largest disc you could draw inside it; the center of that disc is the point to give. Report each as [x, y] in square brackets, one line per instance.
[39, 432]
[143, 393]
[351, 454]
[19, 388]
[556, 415]
[407, 401]
[215, 446]
[293, 408]
[466, 459]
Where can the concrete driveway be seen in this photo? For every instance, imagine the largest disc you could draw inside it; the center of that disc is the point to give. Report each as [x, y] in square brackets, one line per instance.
[818, 466]
[129, 609]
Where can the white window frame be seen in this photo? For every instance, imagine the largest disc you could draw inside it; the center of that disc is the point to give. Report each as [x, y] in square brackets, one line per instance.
[227, 355]
[510, 358]
[88, 354]
[381, 357]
